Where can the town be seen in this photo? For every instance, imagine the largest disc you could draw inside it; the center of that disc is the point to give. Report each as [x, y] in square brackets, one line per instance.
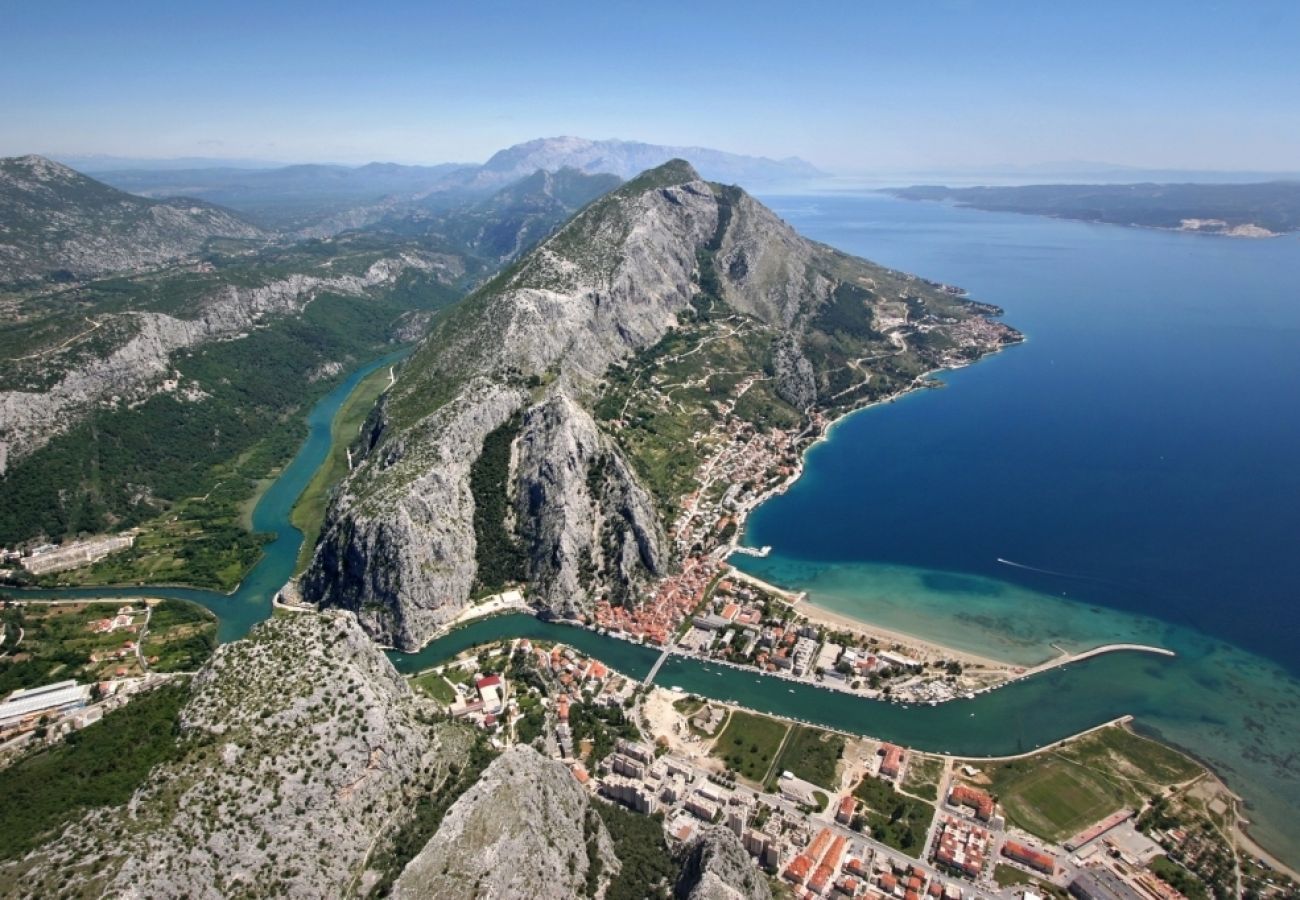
[827, 814]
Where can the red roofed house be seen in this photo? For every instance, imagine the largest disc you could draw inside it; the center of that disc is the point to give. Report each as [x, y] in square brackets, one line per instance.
[797, 871]
[893, 761]
[965, 795]
[1035, 859]
[844, 814]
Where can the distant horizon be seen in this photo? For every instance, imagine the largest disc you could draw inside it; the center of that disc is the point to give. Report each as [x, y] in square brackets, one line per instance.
[851, 88]
[1053, 170]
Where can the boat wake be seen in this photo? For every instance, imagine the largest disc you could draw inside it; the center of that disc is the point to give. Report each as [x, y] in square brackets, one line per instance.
[1016, 565]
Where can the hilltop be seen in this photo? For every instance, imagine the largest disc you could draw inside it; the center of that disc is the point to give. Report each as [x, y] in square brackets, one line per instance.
[514, 447]
[60, 224]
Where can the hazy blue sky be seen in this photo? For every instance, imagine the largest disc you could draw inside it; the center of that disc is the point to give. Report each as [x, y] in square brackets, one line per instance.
[851, 86]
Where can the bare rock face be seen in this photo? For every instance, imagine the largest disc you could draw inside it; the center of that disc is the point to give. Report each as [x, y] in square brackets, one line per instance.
[718, 868]
[584, 518]
[524, 831]
[303, 747]
[140, 365]
[402, 555]
[796, 383]
[398, 547]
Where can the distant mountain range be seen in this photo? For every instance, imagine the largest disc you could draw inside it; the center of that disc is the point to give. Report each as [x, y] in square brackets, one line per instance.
[1237, 210]
[306, 196]
[56, 220]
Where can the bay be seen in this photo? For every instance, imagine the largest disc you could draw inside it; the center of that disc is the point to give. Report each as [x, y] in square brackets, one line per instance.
[1129, 473]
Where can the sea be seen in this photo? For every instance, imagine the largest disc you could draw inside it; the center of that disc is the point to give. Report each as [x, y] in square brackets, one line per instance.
[1130, 473]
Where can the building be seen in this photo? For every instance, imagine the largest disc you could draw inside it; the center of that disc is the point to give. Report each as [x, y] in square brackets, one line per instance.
[1035, 859]
[844, 815]
[977, 800]
[961, 847]
[1102, 884]
[492, 691]
[53, 699]
[892, 763]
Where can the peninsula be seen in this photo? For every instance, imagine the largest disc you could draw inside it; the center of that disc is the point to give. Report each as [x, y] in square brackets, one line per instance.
[1233, 210]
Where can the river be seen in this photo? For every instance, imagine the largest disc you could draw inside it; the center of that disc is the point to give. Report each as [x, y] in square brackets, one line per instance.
[250, 603]
[912, 489]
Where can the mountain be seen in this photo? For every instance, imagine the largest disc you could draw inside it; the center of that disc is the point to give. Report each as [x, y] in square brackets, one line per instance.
[295, 197]
[628, 158]
[55, 221]
[298, 763]
[1237, 210]
[509, 221]
[318, 200]
[528, 440]
[157, 399]
[299, 756]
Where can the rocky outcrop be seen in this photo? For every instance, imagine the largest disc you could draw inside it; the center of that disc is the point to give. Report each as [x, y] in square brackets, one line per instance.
[399, 546]
[796, 383]
[301, 748]
[367, 560]
[718, 868]
[140, 365]
[539, 341]
[584, 519]
[57, 220]
[524, 831]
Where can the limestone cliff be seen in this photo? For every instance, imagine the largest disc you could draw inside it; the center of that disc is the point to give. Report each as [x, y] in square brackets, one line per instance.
[718, 868]
[525, 831]
[666, 253]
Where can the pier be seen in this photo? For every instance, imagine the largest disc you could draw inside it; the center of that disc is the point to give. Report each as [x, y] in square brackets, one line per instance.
[1066, 657]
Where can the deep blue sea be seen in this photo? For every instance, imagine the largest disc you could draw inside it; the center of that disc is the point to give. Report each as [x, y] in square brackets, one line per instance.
[1131, 472]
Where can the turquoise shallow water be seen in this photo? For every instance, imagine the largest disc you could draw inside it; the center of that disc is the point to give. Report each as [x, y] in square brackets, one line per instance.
[1135, 459]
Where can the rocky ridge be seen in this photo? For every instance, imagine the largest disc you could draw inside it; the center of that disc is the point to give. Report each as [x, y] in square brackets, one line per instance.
[141, 365]
[57, 220]
[400, 544]
[524, 831]
[303, 749]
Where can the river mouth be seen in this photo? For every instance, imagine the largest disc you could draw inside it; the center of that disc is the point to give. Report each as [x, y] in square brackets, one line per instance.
[1231, 708]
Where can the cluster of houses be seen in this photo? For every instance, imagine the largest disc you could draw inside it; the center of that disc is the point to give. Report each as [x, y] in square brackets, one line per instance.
[123, 620]
[656, 620]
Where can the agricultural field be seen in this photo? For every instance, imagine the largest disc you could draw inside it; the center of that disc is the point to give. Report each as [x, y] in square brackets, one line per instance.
[891, 817]
[95, 640]
[813, 755]
[749, 745]
[437, 687]
[180, 638]
[1057, 794]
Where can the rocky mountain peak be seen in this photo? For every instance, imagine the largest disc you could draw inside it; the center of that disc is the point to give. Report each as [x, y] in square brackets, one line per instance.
[514, 373]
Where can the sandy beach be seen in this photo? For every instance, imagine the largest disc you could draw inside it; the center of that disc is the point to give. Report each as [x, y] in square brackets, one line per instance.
[926, 649]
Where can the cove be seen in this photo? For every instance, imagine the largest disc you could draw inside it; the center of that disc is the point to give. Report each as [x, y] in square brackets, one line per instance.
[250, 603]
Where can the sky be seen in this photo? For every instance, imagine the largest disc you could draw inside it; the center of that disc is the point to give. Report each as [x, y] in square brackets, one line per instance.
[853, 87]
